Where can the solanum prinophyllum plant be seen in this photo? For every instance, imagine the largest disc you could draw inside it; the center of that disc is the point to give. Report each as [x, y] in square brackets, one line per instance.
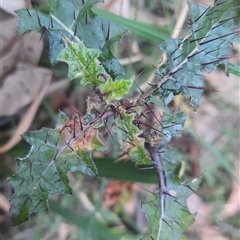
[80, 38]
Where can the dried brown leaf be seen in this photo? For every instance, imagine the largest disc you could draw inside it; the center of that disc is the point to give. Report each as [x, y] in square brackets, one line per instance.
[21, 87]
[76, 137]
[32, 48]
[12, 5]
[8, 35]
[113, 192]
[11, 45]
[29, 115]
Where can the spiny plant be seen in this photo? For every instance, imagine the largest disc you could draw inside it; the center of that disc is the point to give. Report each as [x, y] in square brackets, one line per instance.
[83, 40]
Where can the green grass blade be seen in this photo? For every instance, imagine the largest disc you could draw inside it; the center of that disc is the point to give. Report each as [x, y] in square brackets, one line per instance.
[124, 170]
[143, 30]
[234, 69]
[221, 161]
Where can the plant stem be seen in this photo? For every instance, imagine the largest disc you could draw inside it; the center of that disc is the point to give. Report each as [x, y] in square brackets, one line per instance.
[157, 162]
[161, 182]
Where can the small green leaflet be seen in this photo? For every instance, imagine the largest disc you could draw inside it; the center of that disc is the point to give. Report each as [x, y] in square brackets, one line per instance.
[43, 172]
[137, 152]
[205, 47]
[84, 60]
[128, 137]
[172, 220]
[115, 90]
[125, 124]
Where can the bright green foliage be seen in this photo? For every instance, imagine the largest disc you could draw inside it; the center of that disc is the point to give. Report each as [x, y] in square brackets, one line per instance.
[75, 20]
[125, 123]
[97, 143]
[123, 128]
[128, 137]
[138, 153]
[115, 90]
[170, 220]
[43, 172]
[84, 60]
[204, 48]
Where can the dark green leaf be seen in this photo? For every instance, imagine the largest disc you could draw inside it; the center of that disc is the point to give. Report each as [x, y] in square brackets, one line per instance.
[75, 20]
[43, 172]
[171, 125]
[205, 47]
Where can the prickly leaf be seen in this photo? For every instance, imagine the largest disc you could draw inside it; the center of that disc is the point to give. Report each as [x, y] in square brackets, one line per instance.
[84, 60]
[137, 152]
[127, 125]
[206, 46]
[115, 90]
[76, 21]
[168, 216]
[171, 125]
[43, 172]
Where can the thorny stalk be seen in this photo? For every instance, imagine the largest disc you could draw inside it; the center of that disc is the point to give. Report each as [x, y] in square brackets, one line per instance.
[158, 165]
[153, 151]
